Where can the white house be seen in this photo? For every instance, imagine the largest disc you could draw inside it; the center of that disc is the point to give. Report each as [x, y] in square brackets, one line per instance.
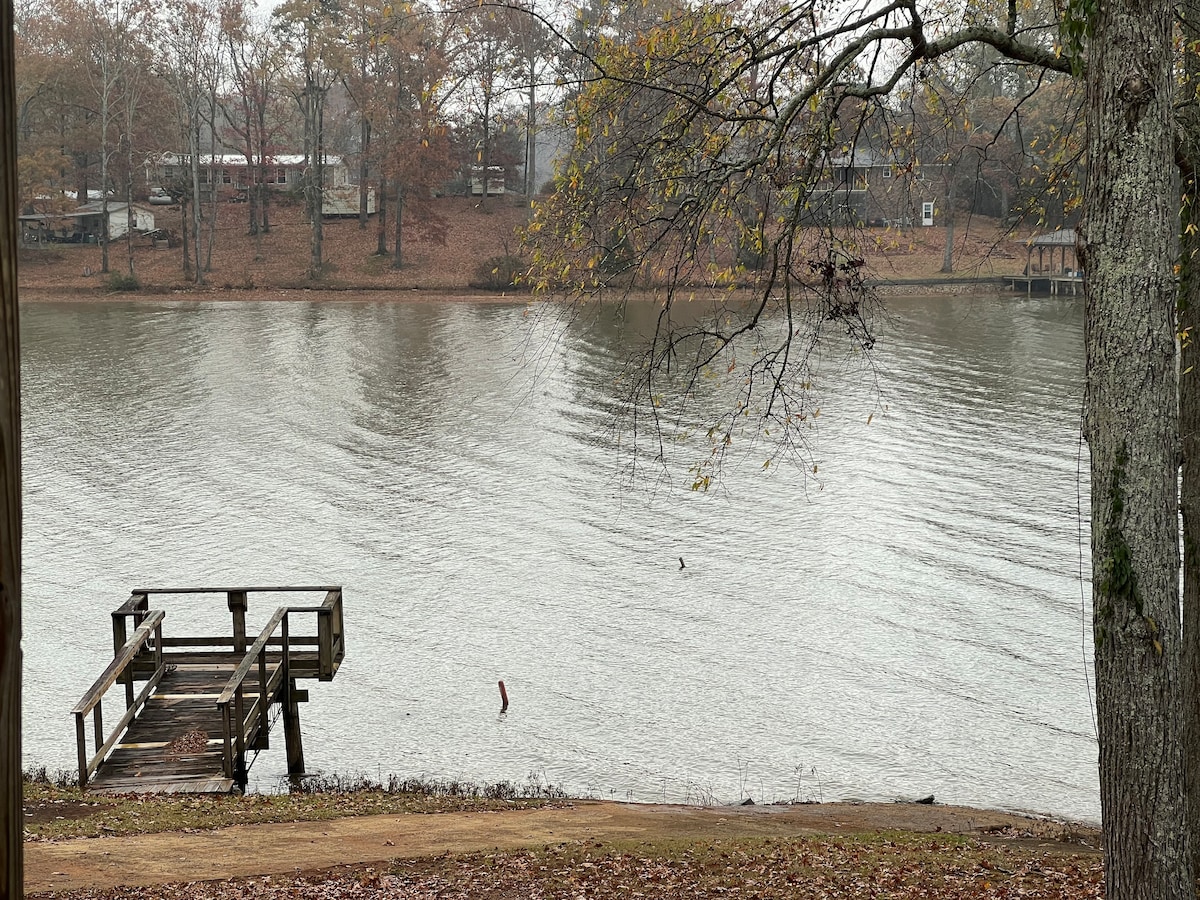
[121, 218]
[85, 224]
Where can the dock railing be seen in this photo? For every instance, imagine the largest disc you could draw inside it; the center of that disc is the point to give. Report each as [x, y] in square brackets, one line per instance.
[328, 641]
[146, 638]
[242, 727]
[277, 656]
[331, 636]
[247, 726]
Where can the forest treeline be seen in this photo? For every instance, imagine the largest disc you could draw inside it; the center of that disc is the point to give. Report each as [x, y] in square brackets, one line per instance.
[417, 98]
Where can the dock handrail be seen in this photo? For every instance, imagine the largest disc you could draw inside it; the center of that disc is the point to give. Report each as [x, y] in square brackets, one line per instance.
[232, 700]
[117, 670]
[331, 637]
[252, 721]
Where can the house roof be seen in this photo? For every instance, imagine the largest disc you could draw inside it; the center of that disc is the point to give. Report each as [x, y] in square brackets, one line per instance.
[861, 158]
[95, 208]
[239, 159]
[1064, 237]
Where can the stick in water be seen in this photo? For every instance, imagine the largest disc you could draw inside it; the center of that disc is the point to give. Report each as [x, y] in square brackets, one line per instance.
[503, 698]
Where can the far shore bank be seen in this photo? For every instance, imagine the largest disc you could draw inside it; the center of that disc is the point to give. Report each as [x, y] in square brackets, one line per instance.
[36, 294]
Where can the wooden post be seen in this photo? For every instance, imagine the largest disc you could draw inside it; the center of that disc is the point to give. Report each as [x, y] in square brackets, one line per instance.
[262, 740]
[293, 744]
[81, 749]
[237, 606]
[120, 636]
[12, 819]
[324, 643]
[227, 734]
[291, 730]
[98, 724]
[120, 632]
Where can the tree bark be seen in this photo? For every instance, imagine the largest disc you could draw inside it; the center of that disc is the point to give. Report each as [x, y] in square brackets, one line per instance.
[398, 219]
[948, 212]
[1189, 503]
[381, 231]
[1189, 418]
[1128, 243]
[364, 171]
[11, 817]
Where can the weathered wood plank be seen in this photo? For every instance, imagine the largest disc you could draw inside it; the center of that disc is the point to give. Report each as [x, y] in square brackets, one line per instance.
[179, 786]
[226, 590]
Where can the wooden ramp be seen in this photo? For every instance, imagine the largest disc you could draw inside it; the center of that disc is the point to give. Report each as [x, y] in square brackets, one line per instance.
[176, 743]
[197, 707]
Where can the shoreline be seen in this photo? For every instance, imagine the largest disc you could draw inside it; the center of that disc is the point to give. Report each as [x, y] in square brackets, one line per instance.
[966, 285]
[272, 849]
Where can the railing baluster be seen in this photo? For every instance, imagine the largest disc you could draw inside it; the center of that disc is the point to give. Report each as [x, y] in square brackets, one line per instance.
[226, 728]
[324, 643]
[264, 721]
[287, 649]
[239, 706]
[158, 649]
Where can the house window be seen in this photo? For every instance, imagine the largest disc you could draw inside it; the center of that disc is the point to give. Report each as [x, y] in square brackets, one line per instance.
[887, 171]
[281, 175]
[204, 176]
[226, 176]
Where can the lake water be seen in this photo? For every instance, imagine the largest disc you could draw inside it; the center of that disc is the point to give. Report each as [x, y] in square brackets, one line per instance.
[910, 621]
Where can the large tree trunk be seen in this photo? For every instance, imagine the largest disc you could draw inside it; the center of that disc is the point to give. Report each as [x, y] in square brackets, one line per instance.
[1128, 243]
[103, 237]
[398, 250]
[364, 171]
[1189, 433]
[1189, 420]
[948, 249]
[12, 822]
[381, 231]
[255, 175]
[531, 137]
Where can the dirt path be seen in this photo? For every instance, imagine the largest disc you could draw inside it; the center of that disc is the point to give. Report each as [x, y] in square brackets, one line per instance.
[288, 848]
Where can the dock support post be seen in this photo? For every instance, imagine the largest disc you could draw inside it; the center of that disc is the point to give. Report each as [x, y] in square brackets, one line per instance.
[291, 731]
[139, 603]
[237, 606]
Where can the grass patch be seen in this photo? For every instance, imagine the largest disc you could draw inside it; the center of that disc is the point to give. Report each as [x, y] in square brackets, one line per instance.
[56, 809]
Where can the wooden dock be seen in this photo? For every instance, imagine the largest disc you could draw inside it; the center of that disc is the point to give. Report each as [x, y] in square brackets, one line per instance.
[196, 708]
[1045, 284]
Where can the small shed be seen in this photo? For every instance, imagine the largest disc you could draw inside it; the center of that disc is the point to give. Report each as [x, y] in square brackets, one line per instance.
[1055, 253]
[122, 217]
[84, 224]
